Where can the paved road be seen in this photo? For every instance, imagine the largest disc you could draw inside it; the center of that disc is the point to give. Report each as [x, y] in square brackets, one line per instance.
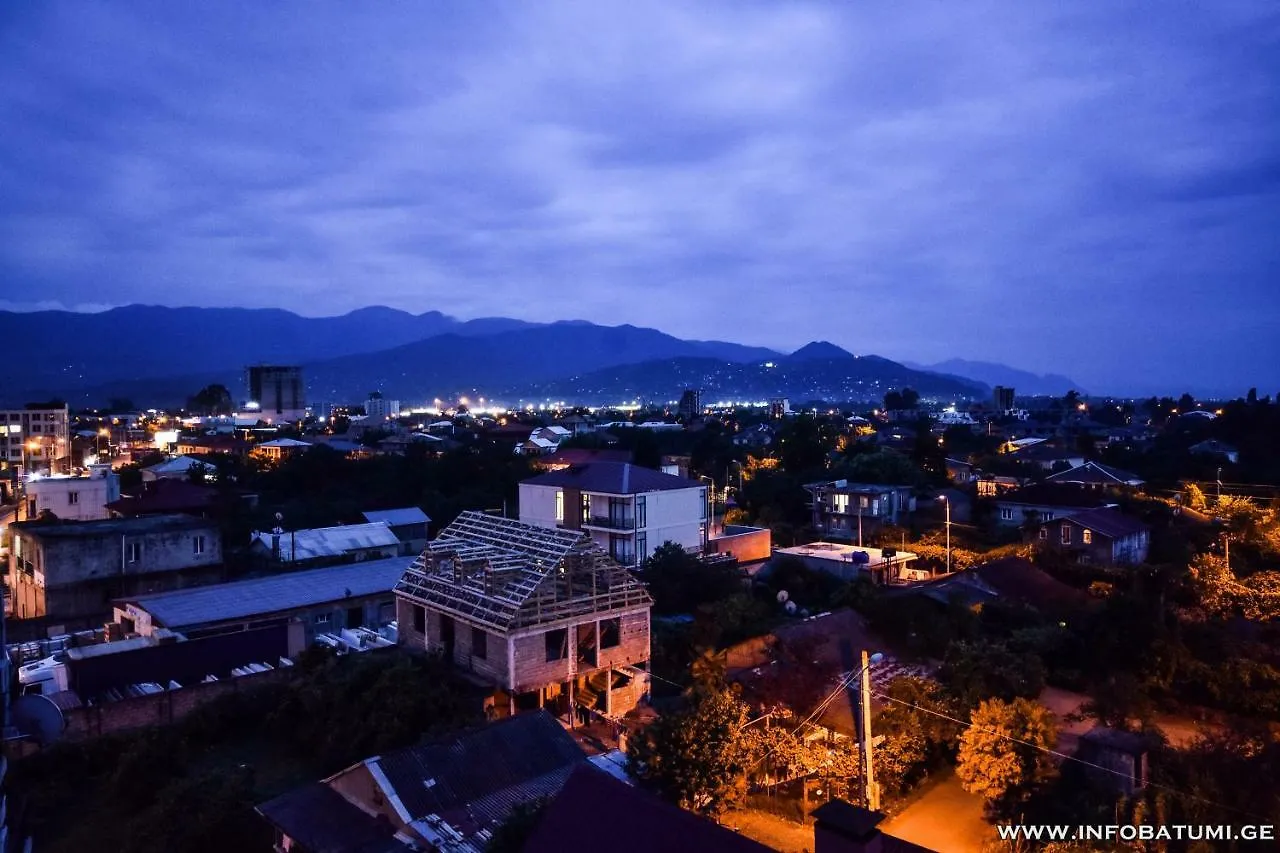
[944, 818]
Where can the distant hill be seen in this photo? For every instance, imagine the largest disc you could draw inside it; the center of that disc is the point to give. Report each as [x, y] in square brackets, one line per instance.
[991, 373]
[819, 351]
[850, 378]
[164, 354]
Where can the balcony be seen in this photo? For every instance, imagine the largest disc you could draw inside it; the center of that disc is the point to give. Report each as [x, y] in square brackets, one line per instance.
[604, 522]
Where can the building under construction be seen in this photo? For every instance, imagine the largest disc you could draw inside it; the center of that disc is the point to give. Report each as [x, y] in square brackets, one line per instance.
[543, 615]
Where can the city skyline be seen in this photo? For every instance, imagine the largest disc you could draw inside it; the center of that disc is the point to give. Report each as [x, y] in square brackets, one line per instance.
[1087, 191]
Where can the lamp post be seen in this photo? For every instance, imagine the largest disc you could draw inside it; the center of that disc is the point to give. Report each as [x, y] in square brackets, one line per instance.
[946, 502]
[1219, 486]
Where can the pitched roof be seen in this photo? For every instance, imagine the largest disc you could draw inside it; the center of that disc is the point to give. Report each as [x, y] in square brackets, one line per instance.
[595, 806]
[308, 544]
[322, 821]
[613, 478]
[474, 780]
[585, 456]
[1071, 495]
[1108, 522]
[1095, 473]
[1011, 578]
[258, 596]
[174, 465]
[397, 517]
[284, 442]
[495, 571]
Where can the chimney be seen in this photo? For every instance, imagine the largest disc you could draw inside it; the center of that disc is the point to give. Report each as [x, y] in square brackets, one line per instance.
[841, 827]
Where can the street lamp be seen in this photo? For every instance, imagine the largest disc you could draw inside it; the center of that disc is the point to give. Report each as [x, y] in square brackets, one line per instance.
[1219, 486]
[947, 503]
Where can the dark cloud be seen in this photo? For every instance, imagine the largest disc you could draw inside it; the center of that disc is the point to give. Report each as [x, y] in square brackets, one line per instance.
[1088, 188]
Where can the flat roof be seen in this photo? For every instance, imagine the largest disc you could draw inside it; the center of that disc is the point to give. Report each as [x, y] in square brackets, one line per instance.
[112, 526]
[840, 553]
[259, 596]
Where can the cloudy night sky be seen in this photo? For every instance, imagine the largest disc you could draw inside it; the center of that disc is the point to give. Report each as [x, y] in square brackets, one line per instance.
[1089, 188]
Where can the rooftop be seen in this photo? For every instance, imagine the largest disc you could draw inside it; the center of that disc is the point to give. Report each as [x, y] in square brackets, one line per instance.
[397, 517]
[1095, 473]
[613, 478]
[841, 553]
[846, 487]
[1011, 578]
[504, 574]
[139, 526]
[1109, 522]
[322, 821]
[174, 465]
[474, 780]
[284, 443]
[1057, 494]
[165, 496]
[309, 544]
[243, 599]
[594, 806]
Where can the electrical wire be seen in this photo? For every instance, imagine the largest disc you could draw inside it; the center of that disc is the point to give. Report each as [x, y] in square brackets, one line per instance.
[1067, 757]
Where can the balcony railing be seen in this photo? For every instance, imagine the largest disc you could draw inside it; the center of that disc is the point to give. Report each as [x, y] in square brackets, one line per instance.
[611, 522]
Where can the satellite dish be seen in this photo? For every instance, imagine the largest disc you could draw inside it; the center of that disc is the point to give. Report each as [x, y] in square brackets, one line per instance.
[279, 516]
[790, 607]
[783, 595]
[38, 718]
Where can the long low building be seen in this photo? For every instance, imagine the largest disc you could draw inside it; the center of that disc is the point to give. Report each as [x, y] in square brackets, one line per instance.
[848, 561]
[328, 599]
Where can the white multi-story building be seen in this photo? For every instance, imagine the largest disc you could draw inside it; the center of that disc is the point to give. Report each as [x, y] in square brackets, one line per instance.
[629, 511]
[36, 438]
[378, 408]
[83, 498]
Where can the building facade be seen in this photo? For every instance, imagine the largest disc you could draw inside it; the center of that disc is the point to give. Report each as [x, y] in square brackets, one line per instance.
[36, 438]
[378, 408]
[82, 498]
[629, 511]
[541, 614]
[846, 511]
[73, 570]
[276, 393]
[1102, 537]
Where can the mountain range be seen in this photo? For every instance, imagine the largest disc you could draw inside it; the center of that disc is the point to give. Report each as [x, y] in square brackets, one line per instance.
[990, 373]
[160, 356]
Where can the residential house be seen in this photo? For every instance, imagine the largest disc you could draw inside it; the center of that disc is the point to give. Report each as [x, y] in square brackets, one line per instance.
[565, 457]
[1214, 448]
[1048, 455]
[542, 614]
[401, 443]
[322, 600]
[628, 510]
[593, 805]
[204, 445]
[409, 524]
[72, 570]
[449, 795]
[345, 543]
[1116, 759]
[175, 467]
[279, 449]
[1096, 474]
[75, 498]
[1043, 502]
[849, 511]
[848, 562]
[1103, 536]
[990, 485]
[960, 472]
[1010, 579]
[755, 437]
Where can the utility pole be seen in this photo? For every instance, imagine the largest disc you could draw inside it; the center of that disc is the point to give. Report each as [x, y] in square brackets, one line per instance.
[870, 788]
[947, 502]
[1219, 487]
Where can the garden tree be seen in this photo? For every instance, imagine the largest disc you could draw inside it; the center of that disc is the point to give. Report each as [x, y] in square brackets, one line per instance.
[679, 582]
[801, 445]
[695, 757]
[1223, 594]
[1226, 771]
[1195, 497]
[211, 400]
[982, 669]
[799, 679]
[1186, 403]
[880, 467]
[1003, 756]
[734, 619]
[927, 453]
[904, 400]
[777, 753]
[917, 737]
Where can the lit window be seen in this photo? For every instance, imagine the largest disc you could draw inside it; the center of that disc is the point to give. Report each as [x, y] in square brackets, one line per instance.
[1088, 537]
[559, 505]
[1006, 514]
[197, 545]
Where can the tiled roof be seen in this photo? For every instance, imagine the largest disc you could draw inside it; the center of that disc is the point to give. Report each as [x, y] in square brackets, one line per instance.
[1109, 522]
[613, 478]
[320, 820]
[473, 781]
[595, 806]
[259, 596]
[1011, 578]
[1095, 473]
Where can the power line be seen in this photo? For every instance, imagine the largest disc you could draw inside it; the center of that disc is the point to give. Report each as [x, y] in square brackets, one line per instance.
[1066, 757]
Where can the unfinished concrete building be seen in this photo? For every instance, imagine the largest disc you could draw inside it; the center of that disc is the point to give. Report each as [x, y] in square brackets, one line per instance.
[543, 615]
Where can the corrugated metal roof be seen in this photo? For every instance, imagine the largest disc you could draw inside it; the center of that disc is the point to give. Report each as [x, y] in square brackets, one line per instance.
[397, 517]
[474, 781]
[318, 818]
[329, 541]
[242, 599]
